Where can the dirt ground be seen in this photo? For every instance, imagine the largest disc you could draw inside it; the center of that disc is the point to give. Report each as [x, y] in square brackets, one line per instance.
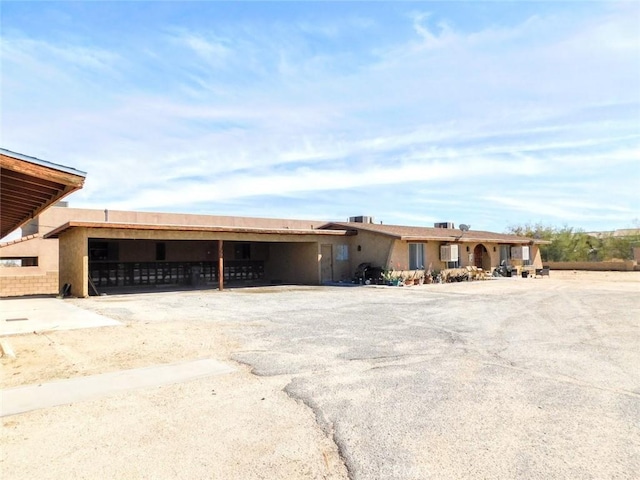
[240, 425]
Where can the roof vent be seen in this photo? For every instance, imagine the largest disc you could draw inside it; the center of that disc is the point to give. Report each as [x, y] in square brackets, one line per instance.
[361, 219]
[444, 225]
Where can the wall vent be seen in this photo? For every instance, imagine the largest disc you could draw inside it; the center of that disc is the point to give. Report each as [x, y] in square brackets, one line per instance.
[444, 225]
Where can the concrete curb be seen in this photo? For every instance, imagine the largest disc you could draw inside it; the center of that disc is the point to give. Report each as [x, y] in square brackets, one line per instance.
[33, 397]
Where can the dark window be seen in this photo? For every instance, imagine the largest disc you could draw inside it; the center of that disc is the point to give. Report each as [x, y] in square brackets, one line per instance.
[416, 256]
[161, 252]
[113, 251]
[98, 251]
[242, 251]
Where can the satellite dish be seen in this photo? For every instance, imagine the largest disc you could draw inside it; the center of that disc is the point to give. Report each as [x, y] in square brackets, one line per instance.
[464, 227]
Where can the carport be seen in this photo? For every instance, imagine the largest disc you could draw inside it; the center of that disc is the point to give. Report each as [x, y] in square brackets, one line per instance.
[97, 257]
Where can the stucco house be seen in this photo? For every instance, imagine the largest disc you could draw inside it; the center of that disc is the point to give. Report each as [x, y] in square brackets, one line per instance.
[99, 251]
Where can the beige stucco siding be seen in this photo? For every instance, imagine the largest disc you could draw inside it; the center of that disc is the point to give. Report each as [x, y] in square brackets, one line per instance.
[374, 249]
[45, 249]
[74, 261]
[293, 263]
[56, 216]
[399, 259]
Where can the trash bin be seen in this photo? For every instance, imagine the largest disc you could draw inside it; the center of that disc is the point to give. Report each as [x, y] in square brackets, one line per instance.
[525, 273]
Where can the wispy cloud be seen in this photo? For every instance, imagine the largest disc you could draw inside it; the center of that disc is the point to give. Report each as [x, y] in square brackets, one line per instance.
[253, 112]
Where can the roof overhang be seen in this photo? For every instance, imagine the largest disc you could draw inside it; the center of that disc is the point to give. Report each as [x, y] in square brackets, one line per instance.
[29, 185]
[194, 228]
[426, 234]
[472, 239]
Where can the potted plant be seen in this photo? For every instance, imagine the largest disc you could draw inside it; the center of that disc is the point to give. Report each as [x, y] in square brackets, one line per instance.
[410, 278]
[392, 278]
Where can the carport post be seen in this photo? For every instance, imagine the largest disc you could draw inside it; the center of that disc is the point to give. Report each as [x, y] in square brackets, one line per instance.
[220, 266]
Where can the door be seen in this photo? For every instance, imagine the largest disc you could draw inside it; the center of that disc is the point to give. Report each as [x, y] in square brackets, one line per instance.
[326, 263]
[478, 255]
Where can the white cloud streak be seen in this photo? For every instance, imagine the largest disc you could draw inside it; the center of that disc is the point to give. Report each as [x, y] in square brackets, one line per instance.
[235, 113]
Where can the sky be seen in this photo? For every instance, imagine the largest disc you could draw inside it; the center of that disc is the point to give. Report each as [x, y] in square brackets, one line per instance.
[490, 114]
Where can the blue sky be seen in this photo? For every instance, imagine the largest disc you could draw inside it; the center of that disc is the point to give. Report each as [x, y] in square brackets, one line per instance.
[485, 113]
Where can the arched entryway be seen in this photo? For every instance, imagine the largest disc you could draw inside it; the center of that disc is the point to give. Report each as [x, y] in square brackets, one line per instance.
[481, 258]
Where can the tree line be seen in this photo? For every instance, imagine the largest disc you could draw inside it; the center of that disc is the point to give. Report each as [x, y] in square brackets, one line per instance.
[575, 245]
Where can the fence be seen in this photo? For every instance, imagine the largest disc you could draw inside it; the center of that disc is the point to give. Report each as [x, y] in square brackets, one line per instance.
[619, 266]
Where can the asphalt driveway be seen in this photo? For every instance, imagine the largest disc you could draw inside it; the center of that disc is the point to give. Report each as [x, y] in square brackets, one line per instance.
[509, 378]
[513, 379]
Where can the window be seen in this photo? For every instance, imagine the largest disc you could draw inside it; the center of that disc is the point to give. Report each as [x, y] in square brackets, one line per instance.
[100, 251]
[342, 252]
[505, 254]
[521, 253]
[161, 252]
[416, 256]
[19, 262]
[242, 251]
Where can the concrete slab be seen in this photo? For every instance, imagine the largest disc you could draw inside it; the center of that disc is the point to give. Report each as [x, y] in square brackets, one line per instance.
[32, 397]
[26, 315]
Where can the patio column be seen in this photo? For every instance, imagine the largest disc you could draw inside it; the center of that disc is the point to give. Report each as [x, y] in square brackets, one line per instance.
[220, 266]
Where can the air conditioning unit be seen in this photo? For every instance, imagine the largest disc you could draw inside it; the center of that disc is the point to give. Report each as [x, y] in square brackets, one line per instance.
[520, 253]
[444, 225]
[361, 219]
[449, 253]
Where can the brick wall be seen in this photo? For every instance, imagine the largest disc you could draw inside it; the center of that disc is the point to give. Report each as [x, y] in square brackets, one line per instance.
[19, 285]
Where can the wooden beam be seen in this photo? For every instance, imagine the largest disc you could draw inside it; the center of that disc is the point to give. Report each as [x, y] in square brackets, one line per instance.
[40, 171]
[13, 183]
[220, 266]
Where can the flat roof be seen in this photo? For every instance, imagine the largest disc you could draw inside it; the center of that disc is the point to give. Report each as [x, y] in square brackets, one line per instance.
[194, 228]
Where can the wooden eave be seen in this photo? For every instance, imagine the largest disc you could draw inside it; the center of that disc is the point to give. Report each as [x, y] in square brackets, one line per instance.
[29, 185]
[193, 228]
[473, 239]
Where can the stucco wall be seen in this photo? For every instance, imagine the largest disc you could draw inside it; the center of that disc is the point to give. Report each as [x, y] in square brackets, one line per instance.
[295, 263]
[40, 280]
[56, 216]
[374, 249]
[74, 261]
[45, 250]
[400, 255]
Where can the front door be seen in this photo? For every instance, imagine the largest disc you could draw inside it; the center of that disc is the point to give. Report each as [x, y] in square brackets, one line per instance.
[478, 254]
[326, 263]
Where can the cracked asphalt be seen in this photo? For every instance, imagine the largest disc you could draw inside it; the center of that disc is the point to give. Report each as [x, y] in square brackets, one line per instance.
[506, 378]
[498, 379]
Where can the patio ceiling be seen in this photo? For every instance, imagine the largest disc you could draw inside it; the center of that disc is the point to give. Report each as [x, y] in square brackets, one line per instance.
[29, 185]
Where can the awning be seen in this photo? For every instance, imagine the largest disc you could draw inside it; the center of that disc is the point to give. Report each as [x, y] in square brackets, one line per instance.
[29, 185]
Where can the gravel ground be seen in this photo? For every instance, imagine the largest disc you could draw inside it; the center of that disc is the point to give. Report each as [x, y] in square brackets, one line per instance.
[508, 378]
